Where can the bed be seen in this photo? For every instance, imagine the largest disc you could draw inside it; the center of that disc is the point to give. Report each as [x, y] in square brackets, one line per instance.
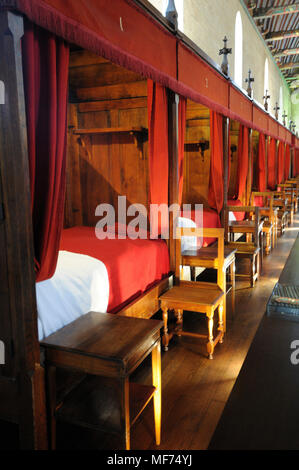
[99, 275]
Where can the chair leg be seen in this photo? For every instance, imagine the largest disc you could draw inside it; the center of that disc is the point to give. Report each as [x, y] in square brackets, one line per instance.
[165, 329]
[222, 321]
[210, 344]
[252, 270]
[179, 322]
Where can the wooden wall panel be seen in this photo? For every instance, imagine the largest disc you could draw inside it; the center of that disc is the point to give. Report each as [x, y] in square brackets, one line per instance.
[196, 168]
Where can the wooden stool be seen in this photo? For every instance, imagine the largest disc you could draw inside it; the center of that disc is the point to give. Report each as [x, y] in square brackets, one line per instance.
[109, 347]
[201, 297]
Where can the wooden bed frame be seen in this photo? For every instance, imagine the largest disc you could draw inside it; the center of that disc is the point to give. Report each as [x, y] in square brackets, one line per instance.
[22, 378]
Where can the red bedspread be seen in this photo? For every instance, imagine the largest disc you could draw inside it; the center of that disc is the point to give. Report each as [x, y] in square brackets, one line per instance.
[133, 265]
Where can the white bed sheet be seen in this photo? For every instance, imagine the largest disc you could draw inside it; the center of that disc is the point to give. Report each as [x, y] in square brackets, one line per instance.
[80, 285]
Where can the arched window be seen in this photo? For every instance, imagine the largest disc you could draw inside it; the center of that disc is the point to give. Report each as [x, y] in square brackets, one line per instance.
[266, 76]
[238, 50]
[179, 4]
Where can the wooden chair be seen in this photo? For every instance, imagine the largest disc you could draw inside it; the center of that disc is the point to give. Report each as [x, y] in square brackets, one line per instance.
[289, 194]
[206, 257]
[282, 215]
[269, 216]
[201, 297]
[251, 248]
[295, 184]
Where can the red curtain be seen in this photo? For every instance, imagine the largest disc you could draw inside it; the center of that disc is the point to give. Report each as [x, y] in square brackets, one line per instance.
[242, 168]
[215, 197]
[272, 164]
[158, 144]
[262, 163]
[296, 172]
[45, 67]
[182, 131]
[280, 172]
[287, 162]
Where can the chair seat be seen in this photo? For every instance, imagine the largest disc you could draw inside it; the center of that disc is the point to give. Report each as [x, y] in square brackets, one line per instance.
[267, 226]
[244, 248]
[193, 296]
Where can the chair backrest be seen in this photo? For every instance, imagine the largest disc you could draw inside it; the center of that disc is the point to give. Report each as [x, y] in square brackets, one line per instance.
[266, 195]
[217, 233]
[254, 213]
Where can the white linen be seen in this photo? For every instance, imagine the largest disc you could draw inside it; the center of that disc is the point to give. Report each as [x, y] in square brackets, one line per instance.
[187, 243]
[80, 285]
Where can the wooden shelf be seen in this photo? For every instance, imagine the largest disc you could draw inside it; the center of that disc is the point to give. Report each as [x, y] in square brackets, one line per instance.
[94, 404]
[111, 130]
[139, 134]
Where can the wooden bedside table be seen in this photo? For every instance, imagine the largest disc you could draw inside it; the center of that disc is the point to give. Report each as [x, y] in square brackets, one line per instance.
[110, 347]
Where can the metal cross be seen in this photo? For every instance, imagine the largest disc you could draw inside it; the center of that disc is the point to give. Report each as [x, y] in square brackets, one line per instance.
[291, 124]
[225, 51]
[266, 98]
[172, 14]
[249, 80]
[284, 116]
[276, 109]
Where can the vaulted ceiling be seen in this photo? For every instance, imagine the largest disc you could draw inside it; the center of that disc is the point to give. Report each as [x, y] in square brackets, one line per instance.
[278, 22]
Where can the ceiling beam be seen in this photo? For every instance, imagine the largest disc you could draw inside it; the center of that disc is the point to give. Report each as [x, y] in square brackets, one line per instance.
[292, 77]
[286, 52]
[262, 13]
[290, 65]
[279, 35]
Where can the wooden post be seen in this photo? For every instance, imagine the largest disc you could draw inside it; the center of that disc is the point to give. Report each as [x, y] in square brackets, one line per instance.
[276, 162]
[226, 124]
[27, 396]
[249, 175]
[266, 158]
[173, 139]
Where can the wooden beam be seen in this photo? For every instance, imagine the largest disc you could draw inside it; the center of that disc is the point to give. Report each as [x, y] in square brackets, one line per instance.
[173, 139]
[19, 300]
[226, 156]
[113, 92]
[286, 52]
[249, 174]
[279, 35]
[289, 65]
[262, 13]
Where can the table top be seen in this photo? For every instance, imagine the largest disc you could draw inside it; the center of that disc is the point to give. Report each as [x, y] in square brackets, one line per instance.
[209, 252]
[104, 335]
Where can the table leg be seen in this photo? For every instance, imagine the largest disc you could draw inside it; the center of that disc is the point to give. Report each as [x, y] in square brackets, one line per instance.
[125, 412]
[156, 373]
[232, 268]
[51, 389]
[165, 330]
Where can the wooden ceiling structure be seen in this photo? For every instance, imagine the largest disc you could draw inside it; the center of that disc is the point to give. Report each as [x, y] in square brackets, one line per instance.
[278, 22]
